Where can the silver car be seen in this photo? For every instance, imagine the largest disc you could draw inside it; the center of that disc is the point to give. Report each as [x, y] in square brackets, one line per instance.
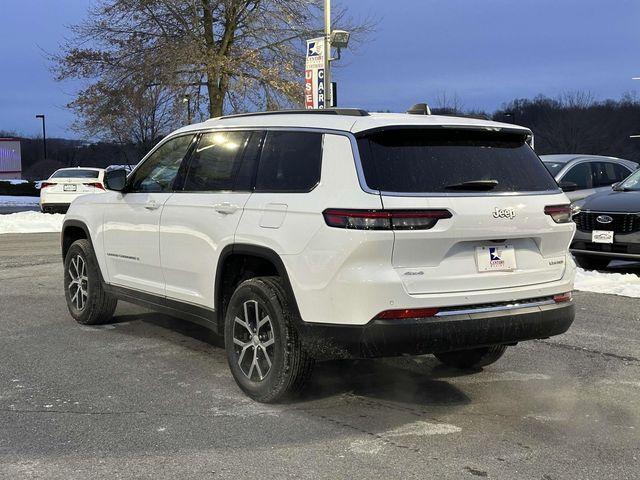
[583, 175]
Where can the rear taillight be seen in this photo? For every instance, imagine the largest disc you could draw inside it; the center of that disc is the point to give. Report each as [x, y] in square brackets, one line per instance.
[96, 185]
[559, 213]
[563, 297]
[46, 184]
[384, 219]
[406, 313]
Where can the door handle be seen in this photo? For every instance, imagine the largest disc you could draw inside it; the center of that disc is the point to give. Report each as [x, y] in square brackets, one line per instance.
[152, 205]
[225, 208]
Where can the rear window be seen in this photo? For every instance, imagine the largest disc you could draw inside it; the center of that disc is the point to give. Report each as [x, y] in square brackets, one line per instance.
[75, 173]
[450, 161]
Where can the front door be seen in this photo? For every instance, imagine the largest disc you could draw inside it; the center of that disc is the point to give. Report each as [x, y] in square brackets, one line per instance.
[201, 218]
[132, 221]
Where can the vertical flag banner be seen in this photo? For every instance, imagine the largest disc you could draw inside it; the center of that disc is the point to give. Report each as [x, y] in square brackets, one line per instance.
[314, 87]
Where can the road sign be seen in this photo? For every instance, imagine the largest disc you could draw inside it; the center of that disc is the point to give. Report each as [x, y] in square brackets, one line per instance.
[314, 88]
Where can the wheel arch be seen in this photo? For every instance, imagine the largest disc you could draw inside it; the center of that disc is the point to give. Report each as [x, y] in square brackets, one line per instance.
[244, 252]
[73, 230]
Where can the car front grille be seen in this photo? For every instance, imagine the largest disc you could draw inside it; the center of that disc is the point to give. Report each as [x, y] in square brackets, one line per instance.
[622, 222]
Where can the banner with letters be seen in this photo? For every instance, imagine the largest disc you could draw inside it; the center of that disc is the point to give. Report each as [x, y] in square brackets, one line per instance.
[314, 85]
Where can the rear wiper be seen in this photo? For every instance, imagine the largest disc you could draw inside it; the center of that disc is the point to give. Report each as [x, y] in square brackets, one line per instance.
[473, 185]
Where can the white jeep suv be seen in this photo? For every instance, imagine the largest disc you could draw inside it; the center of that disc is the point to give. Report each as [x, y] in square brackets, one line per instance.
[310, 235]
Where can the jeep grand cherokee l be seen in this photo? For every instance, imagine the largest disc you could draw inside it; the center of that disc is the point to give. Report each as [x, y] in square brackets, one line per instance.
[303, 236]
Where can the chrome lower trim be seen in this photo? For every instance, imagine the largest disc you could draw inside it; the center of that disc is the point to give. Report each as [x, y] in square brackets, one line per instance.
[495, 308]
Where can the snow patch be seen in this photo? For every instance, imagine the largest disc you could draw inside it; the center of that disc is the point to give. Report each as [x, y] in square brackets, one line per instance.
[15, 182]
[31, 222]
[373, 445]
[624, 284]
[422, 429]
[18, 201]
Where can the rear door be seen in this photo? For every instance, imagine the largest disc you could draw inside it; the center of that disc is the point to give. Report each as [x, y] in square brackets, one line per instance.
[201, 218]
[496, 189]
[132, 220]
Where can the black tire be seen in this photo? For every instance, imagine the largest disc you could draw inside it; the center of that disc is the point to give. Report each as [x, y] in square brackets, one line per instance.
[592, 263]
[95, 306]
[472, 359]
[277, 340]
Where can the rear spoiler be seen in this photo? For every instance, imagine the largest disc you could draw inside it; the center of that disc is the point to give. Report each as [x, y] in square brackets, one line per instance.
[525, 132]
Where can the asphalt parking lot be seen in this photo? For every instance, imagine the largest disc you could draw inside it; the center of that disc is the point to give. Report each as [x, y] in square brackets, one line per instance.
[152, 397]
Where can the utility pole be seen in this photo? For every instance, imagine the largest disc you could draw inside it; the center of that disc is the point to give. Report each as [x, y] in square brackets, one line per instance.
[187, 99]
[328, 94]
[44, 136]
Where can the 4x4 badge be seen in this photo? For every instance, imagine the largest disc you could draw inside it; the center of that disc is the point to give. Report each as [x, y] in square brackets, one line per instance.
[509, 213]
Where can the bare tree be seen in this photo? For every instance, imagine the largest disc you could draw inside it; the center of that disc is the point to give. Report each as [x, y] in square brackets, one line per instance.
[130, 113]
[576, 122]
[448, 104]
[227, 55]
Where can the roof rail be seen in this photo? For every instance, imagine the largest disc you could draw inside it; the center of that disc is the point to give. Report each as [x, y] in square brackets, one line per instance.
[351, 112]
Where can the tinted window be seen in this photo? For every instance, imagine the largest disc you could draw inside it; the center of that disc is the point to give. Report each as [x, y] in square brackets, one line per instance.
[607, 173]
[216, 163]
[75, 173]
[421, 160]
[580, 175]
[620, 172]
[553, 167]
[158, 172]
[290, 162]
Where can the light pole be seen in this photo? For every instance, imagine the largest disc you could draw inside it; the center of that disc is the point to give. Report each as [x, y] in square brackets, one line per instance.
[635, 136]
[328, 89]
[187, 99]
[44, 135]
[332, 38]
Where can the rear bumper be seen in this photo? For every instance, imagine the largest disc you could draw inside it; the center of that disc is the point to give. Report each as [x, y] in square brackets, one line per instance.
[385, 338]
[54, 207]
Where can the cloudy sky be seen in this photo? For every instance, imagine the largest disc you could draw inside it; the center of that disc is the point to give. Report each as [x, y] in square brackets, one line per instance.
[484, 51]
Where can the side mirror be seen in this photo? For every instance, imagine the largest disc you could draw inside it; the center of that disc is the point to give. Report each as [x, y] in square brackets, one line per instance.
[116, 179]
[568, 186]
[615, 185]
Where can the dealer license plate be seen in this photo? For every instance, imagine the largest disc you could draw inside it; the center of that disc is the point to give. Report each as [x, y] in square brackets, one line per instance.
[496, 258]
[602, 236]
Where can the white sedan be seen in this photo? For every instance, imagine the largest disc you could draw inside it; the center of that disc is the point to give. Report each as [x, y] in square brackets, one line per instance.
[66, 184]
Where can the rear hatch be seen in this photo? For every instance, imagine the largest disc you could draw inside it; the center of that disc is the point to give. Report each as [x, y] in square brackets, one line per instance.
[496, 189]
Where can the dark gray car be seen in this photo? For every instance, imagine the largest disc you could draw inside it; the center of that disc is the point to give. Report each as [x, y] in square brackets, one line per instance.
[583, 175]
[608, 226]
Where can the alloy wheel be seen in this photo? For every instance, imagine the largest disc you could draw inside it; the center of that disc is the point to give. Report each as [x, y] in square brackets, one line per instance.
[79, 285]
[254, 341]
